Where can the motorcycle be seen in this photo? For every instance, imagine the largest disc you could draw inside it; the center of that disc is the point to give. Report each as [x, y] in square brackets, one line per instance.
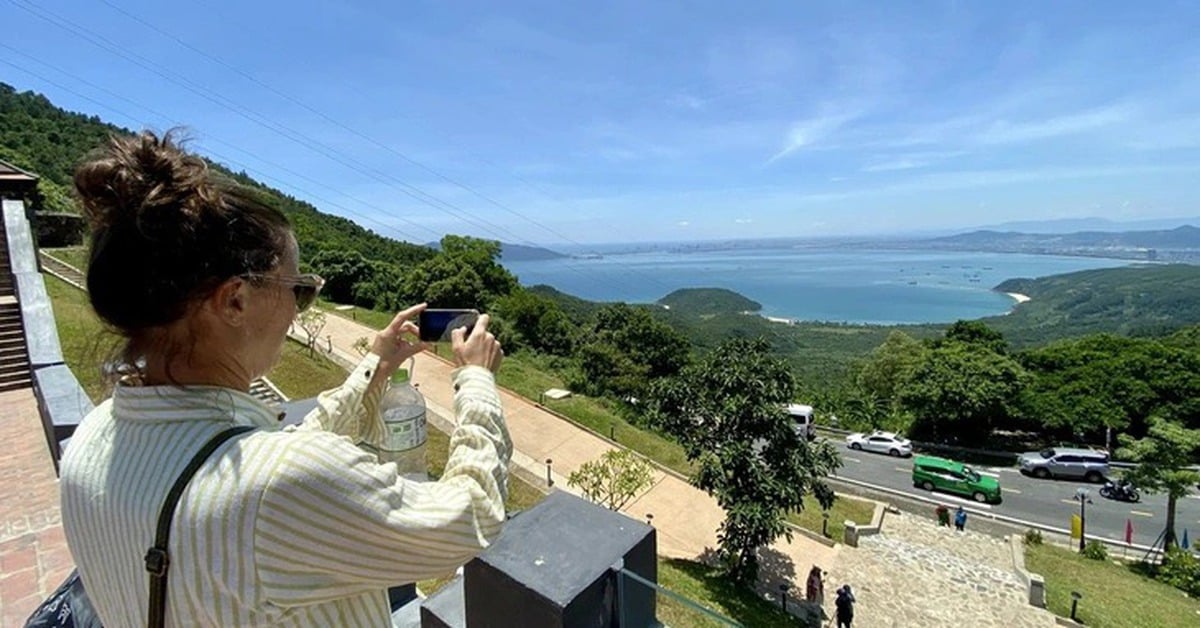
[1121, 491]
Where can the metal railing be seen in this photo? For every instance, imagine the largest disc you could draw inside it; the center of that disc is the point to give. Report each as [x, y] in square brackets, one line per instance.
[672, 608]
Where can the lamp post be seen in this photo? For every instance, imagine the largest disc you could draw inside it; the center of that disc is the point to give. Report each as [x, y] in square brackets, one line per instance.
[783, 596]
[549, 480]
[1081, 496]
[825, 523]
[1075, 597]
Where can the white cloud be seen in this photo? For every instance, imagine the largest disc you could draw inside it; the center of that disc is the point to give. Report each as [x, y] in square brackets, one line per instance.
[902, 163]
[805, 133]
[1005, 132]
[743, 221]
[684, 223]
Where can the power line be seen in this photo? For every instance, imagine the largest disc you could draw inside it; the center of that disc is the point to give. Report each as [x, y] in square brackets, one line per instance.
[363, 136]
[282, 130]
[291, 134]
[171, 122]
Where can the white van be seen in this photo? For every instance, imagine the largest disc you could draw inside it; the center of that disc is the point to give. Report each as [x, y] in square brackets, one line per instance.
[803, 417]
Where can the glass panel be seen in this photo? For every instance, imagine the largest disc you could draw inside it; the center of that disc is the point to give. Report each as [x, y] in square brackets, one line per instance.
[644, 603]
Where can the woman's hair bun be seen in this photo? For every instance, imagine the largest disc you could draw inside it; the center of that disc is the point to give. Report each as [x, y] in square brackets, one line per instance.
[145, 179]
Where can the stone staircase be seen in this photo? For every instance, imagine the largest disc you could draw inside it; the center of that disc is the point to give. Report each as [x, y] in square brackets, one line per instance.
[14, 357]
[261, 388]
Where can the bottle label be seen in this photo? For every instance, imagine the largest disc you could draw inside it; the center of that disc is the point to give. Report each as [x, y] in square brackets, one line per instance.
[405, 431]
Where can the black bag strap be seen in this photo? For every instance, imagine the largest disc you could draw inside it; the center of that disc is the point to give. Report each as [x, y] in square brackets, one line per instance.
[157, 560]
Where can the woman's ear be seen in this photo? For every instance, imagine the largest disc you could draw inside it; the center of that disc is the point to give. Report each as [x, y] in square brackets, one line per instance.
[230, 301]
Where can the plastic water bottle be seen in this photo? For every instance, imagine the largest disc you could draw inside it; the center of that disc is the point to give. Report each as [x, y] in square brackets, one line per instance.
[403, 412]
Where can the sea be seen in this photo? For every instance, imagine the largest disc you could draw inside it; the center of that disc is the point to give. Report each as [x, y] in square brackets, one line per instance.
[812, 284]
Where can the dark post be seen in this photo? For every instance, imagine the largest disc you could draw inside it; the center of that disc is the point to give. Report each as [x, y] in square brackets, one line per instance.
[549, 480]
[1075, 596]
[1081, 494]
[612, 432]
[649, 519]
[783, 587]
[825, 523]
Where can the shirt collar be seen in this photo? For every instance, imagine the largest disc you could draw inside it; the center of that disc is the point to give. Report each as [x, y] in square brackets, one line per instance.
[168, 404]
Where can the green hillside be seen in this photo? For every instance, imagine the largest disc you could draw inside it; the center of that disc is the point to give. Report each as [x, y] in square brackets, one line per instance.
[1150, 300]
[709, 301]
[50, 142]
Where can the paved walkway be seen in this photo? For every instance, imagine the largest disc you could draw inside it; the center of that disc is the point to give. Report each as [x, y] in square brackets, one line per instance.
[915, 573]
[33, 552]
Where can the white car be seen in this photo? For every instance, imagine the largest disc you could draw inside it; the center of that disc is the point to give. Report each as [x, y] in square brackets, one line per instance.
[880, 442]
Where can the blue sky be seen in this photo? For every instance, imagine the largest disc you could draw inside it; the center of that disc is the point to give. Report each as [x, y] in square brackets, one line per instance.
[624, 121]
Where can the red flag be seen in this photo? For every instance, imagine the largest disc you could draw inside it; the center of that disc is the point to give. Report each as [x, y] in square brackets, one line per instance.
[1128, 532]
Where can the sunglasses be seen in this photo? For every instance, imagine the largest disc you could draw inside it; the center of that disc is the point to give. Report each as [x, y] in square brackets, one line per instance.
[305, 287]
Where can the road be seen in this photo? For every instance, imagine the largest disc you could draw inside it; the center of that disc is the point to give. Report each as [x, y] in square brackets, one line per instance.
[1048, 502]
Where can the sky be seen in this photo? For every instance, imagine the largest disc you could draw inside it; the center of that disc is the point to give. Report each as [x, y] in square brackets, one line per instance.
[570, 122]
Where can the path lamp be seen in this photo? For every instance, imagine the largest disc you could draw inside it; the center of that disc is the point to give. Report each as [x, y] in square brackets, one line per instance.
[1081, 496]
[783, 587]
[1075, 597]
[549, 480]
[825, 523]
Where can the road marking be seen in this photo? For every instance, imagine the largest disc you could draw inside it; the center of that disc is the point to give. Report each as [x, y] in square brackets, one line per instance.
[1141, 514]
[991, 475]
[953, 498]
[851, 459]
[903, 470]
[1011, 490]
[1069, 501]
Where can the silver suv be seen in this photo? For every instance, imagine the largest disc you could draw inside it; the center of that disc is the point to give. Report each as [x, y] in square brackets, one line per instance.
[1061, 462]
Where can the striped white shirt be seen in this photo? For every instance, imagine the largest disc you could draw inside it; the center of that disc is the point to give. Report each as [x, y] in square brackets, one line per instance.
[292, 527]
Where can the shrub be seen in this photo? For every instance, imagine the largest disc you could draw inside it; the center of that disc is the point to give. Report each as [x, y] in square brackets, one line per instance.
[1181, 570]
[1033, 537]
[1095, 550]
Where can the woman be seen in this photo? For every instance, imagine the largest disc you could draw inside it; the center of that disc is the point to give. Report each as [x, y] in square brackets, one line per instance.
[845, 607]
[295, 526]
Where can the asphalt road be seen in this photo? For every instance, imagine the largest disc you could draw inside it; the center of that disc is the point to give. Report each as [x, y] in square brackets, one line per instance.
[1049, 502]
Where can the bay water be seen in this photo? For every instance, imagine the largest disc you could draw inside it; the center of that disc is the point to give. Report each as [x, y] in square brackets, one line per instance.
[813, 284]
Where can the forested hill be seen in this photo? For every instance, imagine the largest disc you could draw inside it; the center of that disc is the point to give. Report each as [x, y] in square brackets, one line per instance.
[1146, 300]
[49, 141]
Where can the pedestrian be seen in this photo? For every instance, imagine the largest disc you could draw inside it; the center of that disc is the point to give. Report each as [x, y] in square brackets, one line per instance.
[960, 519]
[845, 606]
[943, 515]
[815, 591]
[293, 526]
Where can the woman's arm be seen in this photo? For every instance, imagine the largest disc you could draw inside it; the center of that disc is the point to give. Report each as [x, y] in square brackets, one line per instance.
[333, 523]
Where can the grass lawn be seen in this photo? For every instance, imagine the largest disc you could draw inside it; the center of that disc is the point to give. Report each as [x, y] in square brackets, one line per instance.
[300, 375]
[85, 341]
[844, 508]
[1113, 595]
[73, 255]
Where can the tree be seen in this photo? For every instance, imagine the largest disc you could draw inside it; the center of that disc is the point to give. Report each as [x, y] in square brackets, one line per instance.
[976, 333]
[1163, 456]
[626, 348]
[728, 413]
[613, 479]
[1085, 385]
[445, 282]
[312, 321]
[961, 391]
[891, 366]
[537, 322]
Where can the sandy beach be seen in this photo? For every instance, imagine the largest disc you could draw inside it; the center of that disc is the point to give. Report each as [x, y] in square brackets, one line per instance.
[1021, 298]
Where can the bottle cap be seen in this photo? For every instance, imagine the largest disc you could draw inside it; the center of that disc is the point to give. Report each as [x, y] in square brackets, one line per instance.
[400, 376]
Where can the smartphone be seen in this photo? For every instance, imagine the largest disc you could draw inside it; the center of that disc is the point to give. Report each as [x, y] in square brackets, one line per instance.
[437, 324]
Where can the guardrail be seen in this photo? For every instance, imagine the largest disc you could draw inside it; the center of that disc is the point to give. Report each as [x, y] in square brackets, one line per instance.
[987, 514]
[1008, 456]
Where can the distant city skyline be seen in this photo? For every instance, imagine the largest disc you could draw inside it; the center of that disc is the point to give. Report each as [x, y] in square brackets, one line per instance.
[563, 123]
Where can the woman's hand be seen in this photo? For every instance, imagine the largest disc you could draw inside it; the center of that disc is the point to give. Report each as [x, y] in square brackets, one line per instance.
[479, 349]
[398, 342]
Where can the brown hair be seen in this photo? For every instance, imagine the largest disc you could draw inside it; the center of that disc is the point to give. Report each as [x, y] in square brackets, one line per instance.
[166, 232]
